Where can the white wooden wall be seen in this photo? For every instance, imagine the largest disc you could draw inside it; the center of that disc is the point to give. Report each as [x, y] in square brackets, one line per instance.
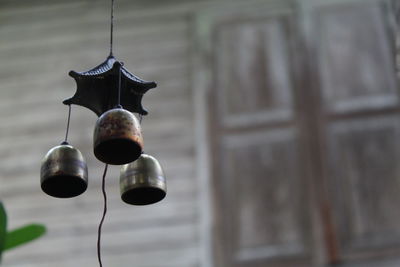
[40, 41]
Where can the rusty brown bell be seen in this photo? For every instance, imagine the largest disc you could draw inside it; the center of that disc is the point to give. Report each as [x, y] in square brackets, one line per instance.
[142, 182]
[64, 172]
[117, 137]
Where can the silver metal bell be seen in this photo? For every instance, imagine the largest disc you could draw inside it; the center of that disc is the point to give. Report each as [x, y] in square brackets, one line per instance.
[142, 182]
[63, 172]
[117, 137]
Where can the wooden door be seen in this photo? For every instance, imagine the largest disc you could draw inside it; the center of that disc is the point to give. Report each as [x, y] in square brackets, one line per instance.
[303, 128]
[259, 155]
[359, 126]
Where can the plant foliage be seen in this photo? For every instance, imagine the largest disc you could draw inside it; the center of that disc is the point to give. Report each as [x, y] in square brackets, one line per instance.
[3, 228]
[19, 236]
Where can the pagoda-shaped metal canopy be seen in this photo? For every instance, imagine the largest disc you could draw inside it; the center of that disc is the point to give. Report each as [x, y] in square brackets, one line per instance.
[97, 89]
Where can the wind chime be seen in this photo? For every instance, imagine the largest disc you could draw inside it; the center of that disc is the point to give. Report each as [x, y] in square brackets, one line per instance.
[114, 94]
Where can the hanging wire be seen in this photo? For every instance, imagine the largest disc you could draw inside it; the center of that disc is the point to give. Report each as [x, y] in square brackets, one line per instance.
[68, 121]
[119, 86]
[103, 188]
[140, 121]
[103, 183]
[112, 28]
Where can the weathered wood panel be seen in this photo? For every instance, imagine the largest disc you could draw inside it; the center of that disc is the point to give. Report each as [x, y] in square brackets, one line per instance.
[364, 183]
[259, 173]
[263, 196]
[254, 79]
[358, 123]
[356, 71]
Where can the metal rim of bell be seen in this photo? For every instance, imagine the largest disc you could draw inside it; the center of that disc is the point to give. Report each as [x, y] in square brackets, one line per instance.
[117, 137]
[64, 172]
[143, 182]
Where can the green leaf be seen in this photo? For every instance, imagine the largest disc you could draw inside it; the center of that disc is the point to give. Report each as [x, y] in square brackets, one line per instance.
[3, 227]
[23, 235]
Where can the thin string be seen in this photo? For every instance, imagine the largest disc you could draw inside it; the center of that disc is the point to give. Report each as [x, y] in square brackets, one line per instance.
[112, 28]
[140, 122]
[68, 121]
[119, 86]
[103, 188]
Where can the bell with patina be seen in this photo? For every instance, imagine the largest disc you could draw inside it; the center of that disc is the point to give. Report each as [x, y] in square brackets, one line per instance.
[63, 172]
[117, 137]
[142, 182]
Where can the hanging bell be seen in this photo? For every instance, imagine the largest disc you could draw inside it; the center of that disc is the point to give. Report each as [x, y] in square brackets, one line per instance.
[142, 182]
[64, 173]
[117, 137]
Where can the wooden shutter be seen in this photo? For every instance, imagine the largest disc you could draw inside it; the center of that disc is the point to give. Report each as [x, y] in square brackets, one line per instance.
[259, 178]
[280, 135]
[359, 124]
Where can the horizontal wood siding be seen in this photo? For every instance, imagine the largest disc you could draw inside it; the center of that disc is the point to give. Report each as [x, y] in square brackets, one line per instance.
[40, 42]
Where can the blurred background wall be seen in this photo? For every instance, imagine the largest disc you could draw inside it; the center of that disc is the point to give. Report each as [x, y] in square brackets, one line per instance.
[276, 122]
